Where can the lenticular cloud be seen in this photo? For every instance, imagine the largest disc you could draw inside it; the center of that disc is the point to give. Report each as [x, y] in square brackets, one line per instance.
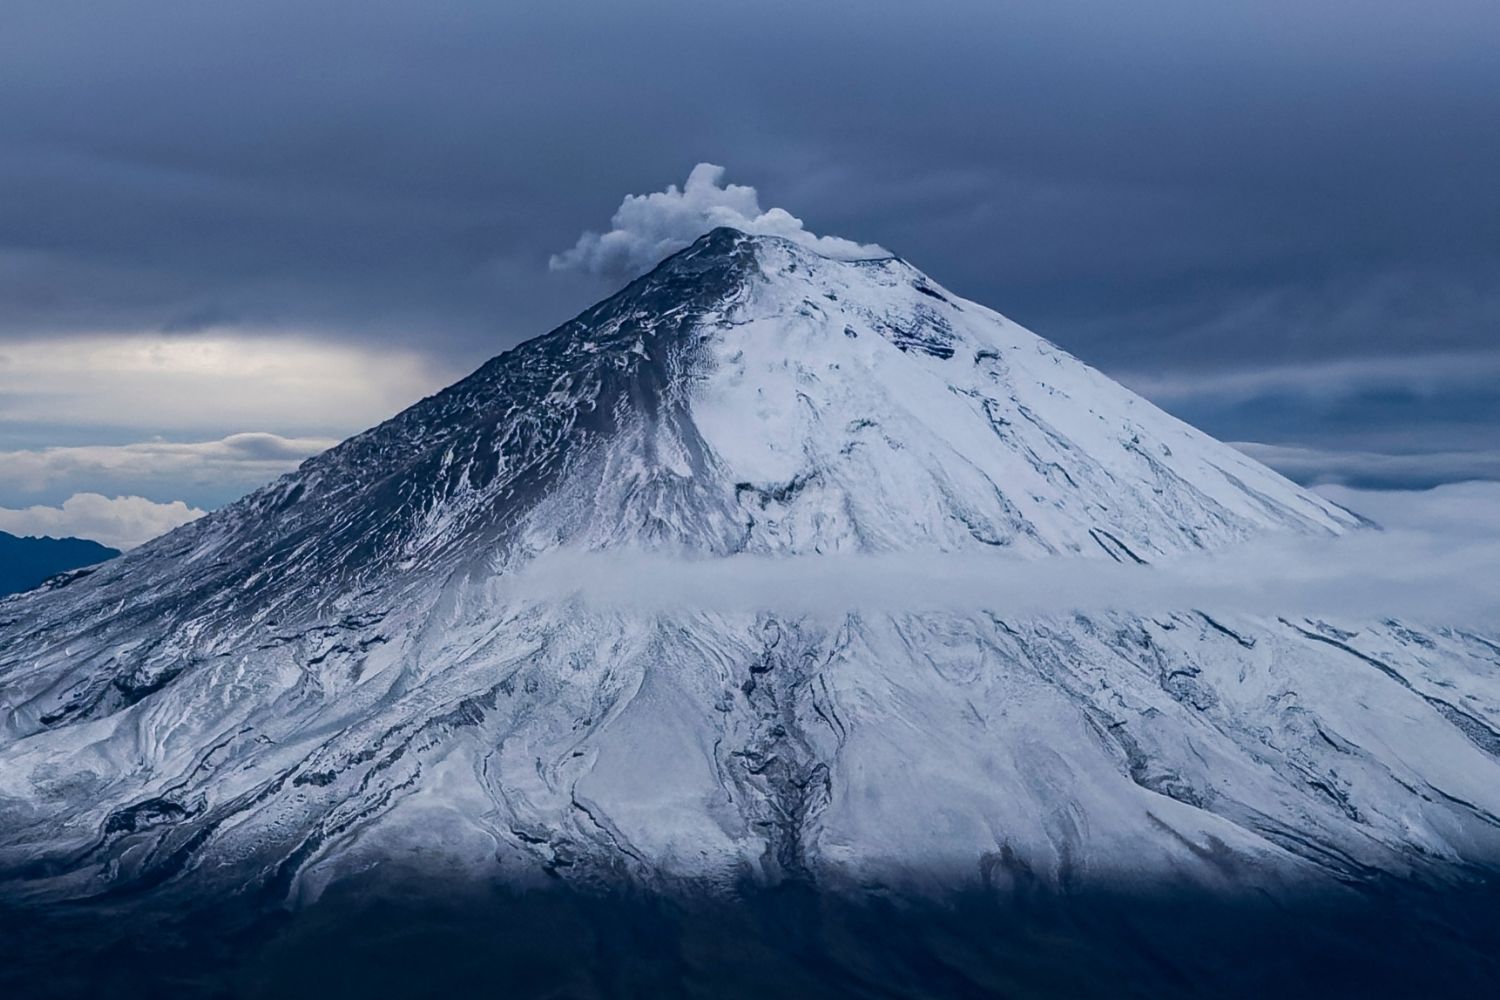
[647, 227]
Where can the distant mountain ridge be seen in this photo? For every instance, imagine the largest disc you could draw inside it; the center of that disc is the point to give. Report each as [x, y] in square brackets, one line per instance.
[26, 562]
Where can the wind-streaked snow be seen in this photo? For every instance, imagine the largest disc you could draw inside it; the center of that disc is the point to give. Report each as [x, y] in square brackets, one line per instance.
[346, 668]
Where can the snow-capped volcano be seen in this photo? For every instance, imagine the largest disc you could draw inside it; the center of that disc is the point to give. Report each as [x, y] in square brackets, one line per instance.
[333, 673]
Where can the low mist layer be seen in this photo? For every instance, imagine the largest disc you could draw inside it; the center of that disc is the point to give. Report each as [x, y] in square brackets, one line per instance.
[1430, 555]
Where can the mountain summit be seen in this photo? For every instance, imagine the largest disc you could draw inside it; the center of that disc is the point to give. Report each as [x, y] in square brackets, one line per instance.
[334, 673]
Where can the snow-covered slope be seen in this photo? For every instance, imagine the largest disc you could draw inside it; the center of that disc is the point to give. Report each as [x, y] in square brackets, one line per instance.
[338, 672]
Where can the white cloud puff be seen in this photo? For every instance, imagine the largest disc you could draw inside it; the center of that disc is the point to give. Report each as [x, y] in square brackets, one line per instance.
[121, 522]
[649, 227]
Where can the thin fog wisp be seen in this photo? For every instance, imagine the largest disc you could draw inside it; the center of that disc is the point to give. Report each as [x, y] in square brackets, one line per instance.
[1431, 556]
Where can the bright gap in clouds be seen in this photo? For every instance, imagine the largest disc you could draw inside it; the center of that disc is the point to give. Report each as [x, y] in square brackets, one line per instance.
[217, 383]
[170, 425]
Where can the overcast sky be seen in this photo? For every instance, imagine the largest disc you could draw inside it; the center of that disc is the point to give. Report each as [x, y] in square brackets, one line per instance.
[231, 233]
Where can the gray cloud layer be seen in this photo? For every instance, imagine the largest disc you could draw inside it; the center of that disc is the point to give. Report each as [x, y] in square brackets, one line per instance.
[222, 469]
[1376, 470]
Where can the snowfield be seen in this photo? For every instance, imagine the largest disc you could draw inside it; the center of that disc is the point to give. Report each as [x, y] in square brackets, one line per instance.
[345, 669]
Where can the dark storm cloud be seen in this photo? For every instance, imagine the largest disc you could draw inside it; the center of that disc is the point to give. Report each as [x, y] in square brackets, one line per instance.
[1173, 187]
